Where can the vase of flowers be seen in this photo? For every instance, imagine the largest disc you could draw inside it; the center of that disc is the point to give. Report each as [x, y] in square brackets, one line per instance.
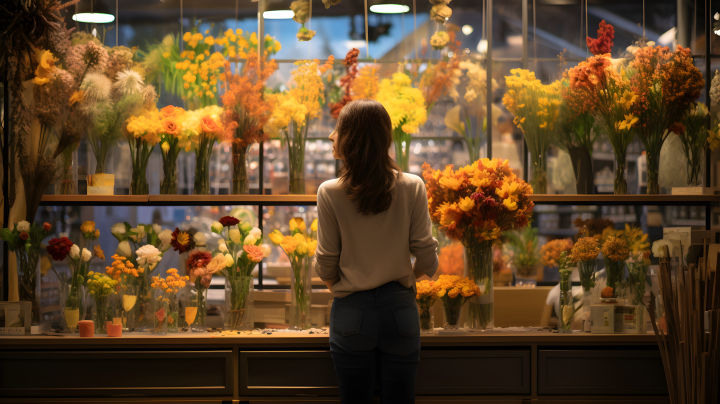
[299, 247]
[567, 307]
[173, 139]
[200, 273]
[524, 251]
[128, 278]
[166, 300]
[638, 264]
[475, 205]
[694, 137]
[100, 287]
[454, 291]
[241, 247]
[206, 126]
[68, 171]
[584, 254]
[143, 134]
[427, 294]
[24, 240]
[615, 252]
[550, 251]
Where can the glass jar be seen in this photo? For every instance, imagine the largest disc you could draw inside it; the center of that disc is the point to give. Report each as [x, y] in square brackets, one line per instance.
[479, 268]
[300, 294]
[239, 303]
[160, 315]
[196, 309]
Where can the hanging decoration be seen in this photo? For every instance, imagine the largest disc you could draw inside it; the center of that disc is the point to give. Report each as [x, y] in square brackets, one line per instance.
[301, 15]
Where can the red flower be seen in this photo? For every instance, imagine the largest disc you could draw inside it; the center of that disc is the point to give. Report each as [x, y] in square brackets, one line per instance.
[59, 248]
[198, 259]
[24, 236]
[47, 227]
[182, 241]
[228, 221]
[604, 42]
[160, 314]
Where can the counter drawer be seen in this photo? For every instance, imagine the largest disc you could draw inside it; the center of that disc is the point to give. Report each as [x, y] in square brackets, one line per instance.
[586, 372]
[116, 373]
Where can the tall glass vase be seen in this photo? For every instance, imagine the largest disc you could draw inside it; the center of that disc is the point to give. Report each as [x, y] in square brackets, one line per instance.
[128, 297]
[567, 309]
[615, 274]
[402, 148]
[295, 139]
[173, 314]
[170, 172]
[72, 307]
[142, 312]
[202, 165]
[479, 268]
[427, 322]
[28, 268]
[653, 171]
[196, 309]
[101, 313]
[451, 309]
[694, 170]
[539, 173]
[161, 310]
[140, 152]
[620, 187]
[241, 181]
[582, 167]
[67, 184]
[239, 303]
[300, 294]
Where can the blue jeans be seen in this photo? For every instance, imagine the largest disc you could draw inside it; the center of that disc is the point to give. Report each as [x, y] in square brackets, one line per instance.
[375, 335]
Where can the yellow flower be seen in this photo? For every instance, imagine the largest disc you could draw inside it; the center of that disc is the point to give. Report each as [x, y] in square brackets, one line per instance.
[404, 104]
[210, 40]
[314, 225]
[88, 227]
[76, 97]
[628, 99]
[312, 246]
[297, 223]
[510, 204]
[288, 244]
[466, 204]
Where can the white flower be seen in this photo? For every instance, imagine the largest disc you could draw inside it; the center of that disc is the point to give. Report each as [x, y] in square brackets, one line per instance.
[148, 254]
[74, 251]
[157, 228]
[234, 235]
[23, 226]
[250, 240]
[128, 82]
[165, 237]
[256, 232]
[222, 247]
[216, 227]
[658, 250]
[199, 238]
[86, 255]
[124, 249]
[139, 233]
[118, 228]
[229, 260]
[266, 250]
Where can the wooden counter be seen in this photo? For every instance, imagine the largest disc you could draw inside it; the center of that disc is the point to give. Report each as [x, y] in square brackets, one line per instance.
[493, 366]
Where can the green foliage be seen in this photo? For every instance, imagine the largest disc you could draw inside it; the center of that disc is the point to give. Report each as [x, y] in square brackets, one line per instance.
[525, 249]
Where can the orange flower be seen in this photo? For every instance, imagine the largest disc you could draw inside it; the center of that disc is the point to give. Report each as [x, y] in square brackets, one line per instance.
[254, 252]
[209, 125]
[170, 125]
[171, 111]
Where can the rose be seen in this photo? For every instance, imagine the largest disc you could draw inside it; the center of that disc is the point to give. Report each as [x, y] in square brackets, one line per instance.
[234, 235]
[74, 252]
[228, 221]
[266, 250]
[148, 254]
[47, 227]
[217, 264]
[199, 238]
[170, 126]
[171, 111]
[165, 237]
[23, 236]
[23, 226]
[256, 232]
[124, 249]
[59, 248]
[86, 255]
[216, 227]
[250, 240]
[209, 125]
[254, 253]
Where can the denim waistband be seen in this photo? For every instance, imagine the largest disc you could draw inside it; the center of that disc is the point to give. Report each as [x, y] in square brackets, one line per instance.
[383, 293]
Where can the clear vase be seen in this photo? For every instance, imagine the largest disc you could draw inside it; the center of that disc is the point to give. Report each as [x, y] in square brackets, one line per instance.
[28, 267]
[239, 303]
[582, 167]
[427, 323]
[140, 155]
[586, 271]
[653, 170]
[161, 308]
[128, 298]
[451, 309]
[196, 309]
[479, 268]
[694, 170]
[170, 173]
[402, 149]
[142, 317]
[615, 273]
[202, 165]
[241, 182]
[72, 307]
[173, 315]
[300, 294]
[525, 276]
[567, 309]
[101, 313]
[539, 174]
[620, 186]
[67, 184]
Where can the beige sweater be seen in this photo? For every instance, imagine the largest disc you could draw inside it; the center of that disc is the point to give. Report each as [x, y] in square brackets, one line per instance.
[361, 252]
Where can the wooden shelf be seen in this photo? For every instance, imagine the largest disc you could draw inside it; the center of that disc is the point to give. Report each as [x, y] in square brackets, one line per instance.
[289, 200]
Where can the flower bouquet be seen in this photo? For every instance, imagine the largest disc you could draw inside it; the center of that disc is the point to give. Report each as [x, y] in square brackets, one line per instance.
[406, 106]
[142, 133]
[550, 251]
[172, 140]
[585, 253]
[241, 246]
[100, 287]
[638, 264]
[25, 241]
[454, 291]
[300, 250]
[666, 83]
[475, 205]
[205, 127]
[427, 294]
[292, 111]
[167, 306]
[536, 108]
[615, 252]
[694, 137]
[201, 266]
[125, 273]
[245, 105]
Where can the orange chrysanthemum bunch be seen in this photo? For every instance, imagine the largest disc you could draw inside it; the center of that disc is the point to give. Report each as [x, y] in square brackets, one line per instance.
[550, 252]
[170, 285]
[585, 249]
[615, 248]
[452, 286]
[427, 292]
[478, 202]
[123, 271]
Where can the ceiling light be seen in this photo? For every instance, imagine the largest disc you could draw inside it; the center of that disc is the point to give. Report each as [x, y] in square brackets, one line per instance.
[467, 29]
[278, 14]
[389, 9]
[97, 18]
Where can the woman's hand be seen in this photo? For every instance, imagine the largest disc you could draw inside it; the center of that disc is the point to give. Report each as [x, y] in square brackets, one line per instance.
[330, 284]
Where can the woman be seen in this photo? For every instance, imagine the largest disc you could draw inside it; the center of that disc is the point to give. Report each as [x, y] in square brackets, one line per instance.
[370, 221]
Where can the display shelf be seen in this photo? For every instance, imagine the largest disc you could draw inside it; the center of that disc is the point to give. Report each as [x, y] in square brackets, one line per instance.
[610, 199]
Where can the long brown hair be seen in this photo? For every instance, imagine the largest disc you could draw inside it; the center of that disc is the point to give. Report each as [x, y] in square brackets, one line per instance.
[364, 133]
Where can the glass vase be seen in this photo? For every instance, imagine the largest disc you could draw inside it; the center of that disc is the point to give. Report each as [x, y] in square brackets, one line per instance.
[653, 170]
[203, 152]
[72, 307]
[615, 273]
[161, 309]
[142, 313]
[586, 271]
[28, 257]
[140, 151]
[300, 294]
[101, 313]
[620, 187]
[525, 276]
[479, 268]
[128, 298]
[539, 174]
[241, 182]
[67, 184]
[567, 309]
[239, 303]
[196, 309]
[694, 170]
[402, 148]
[427, 322]
[582, 167]
[173, 314]
[452, 308]
[170, 173]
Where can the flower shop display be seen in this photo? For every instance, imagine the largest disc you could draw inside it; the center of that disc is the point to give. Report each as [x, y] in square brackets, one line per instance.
[200, 273]
[666, 83]
[406, 106]
[615, 252]
[550, 251]
[694, 137]
[167, 303]
[536, 108]
[567, 307]
[100, 287]
[454, 291]
[442, 78]
[244, 102]
[299, 247]
[292, 111]
[143, 134]
[25, 239]
[173, 139]
[241, 247]
[475, 205]
[638, 265]
[427, 294]
[524, 250]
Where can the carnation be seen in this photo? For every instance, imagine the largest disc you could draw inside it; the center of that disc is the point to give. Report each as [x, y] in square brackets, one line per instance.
[228, 221]
[254, 253]
[59, 248]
